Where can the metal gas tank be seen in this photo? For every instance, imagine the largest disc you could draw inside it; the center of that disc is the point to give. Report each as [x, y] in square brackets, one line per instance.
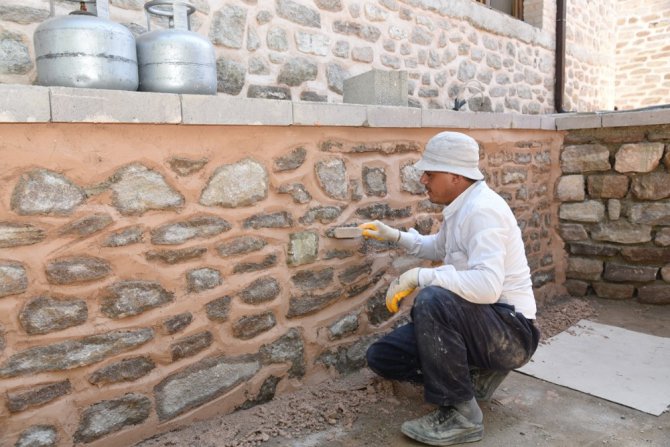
[175, 60]
[84, 50]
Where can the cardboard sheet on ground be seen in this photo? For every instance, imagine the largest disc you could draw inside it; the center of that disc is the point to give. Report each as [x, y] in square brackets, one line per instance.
[622, 366]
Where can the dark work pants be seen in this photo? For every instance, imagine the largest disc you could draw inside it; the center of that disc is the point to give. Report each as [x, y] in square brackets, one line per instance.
[447, 337]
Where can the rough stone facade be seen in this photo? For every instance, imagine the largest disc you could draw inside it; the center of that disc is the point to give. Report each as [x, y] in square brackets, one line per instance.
[151, 293]
[590, 55]
[303, 49]
[615, 212]
[642, 54]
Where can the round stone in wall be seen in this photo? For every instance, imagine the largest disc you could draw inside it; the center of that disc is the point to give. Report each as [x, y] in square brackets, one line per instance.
[45, 314]
[77, 269]
[138, 189]
[45, 192]
[239, 184]
[374, 180]
[303, 248]
[411, 180]
[13, 278]
[332, 177]
[16, 234]
[296, 71]
[230, 76]
[14, 54]
[38, 436]
[110, 416]
[203, 279]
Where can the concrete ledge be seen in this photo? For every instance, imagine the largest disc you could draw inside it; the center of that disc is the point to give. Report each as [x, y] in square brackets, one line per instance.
[548, 122]
[482, 120]
[465, 120]
[445, 118]
[34, 104]
[79, 105]
[579, 121]
[24, 104]
[384, 116]
[639, 118]
[324, 114]
[226, 110]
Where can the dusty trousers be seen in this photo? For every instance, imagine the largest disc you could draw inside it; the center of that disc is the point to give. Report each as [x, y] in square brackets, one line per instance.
[448, 336]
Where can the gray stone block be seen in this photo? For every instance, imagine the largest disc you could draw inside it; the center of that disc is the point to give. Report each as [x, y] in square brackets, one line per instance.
[74, 353]
[377, 87]
[385, 116]
[290, 347]
[202, 109]
[110, 416]
[526, 121]
[548, 122]
[113, 106]
[447, 118]
[488, 120]
[200, 383]
[578, 121]
[322, 114]
[639, 118]
[24, 104]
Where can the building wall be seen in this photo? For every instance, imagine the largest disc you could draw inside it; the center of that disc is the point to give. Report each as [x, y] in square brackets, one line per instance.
[616, 49]
[158, 274]
[642, 54]
[615, 215]
[450, 49]
[590, 61]
[541, 14]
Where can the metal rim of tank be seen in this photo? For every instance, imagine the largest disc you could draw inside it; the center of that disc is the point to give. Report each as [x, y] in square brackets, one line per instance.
[164, 8]
[82, 11]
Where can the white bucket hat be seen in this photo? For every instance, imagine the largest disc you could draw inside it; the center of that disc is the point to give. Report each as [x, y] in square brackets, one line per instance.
[452, 152]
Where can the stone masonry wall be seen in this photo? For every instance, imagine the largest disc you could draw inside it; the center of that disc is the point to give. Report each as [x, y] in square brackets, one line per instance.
[590, 51]
[643, 54]
[615, 212]
[151, 275]
[304, 49]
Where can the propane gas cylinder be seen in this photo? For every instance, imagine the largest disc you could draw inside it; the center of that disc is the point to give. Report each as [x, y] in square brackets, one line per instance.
[176, 59]
[85, 50]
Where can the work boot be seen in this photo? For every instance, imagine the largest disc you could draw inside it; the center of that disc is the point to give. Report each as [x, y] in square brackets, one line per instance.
[486, 381]
[444, 426]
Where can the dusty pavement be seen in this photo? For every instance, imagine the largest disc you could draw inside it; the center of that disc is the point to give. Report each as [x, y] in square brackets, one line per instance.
[362, 410]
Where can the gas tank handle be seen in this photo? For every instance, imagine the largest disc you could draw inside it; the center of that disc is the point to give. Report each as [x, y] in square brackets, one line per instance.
[101, 7]
[177, 12]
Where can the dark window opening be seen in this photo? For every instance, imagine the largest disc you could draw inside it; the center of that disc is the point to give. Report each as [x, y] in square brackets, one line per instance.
[511, 7]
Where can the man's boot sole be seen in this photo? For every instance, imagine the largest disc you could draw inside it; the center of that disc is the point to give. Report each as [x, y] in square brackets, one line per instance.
[474, 435]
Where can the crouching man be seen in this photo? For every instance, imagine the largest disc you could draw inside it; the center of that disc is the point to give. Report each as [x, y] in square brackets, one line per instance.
[473, 318]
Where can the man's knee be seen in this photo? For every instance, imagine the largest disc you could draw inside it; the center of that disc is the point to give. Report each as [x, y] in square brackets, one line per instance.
[433, 297]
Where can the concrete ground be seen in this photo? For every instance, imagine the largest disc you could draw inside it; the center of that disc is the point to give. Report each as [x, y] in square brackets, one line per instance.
[525, 411]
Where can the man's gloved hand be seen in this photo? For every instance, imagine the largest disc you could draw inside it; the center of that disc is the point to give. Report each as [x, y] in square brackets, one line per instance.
[400, 288]
[380, 231]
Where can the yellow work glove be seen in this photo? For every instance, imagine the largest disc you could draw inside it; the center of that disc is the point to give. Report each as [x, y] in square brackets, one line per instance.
[380, 231]
[400, 288]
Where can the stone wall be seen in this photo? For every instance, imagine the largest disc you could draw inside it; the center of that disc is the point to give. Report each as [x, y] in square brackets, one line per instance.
[615, 215]
[541, 14]
[643, 54]
[303, 49]
[154, 274]
[590, 50]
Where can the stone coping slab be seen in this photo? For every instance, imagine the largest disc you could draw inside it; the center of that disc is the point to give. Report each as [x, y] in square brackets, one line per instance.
[36, 104]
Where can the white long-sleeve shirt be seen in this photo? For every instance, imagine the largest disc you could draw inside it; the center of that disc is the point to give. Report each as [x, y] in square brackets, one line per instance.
[480, 244]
